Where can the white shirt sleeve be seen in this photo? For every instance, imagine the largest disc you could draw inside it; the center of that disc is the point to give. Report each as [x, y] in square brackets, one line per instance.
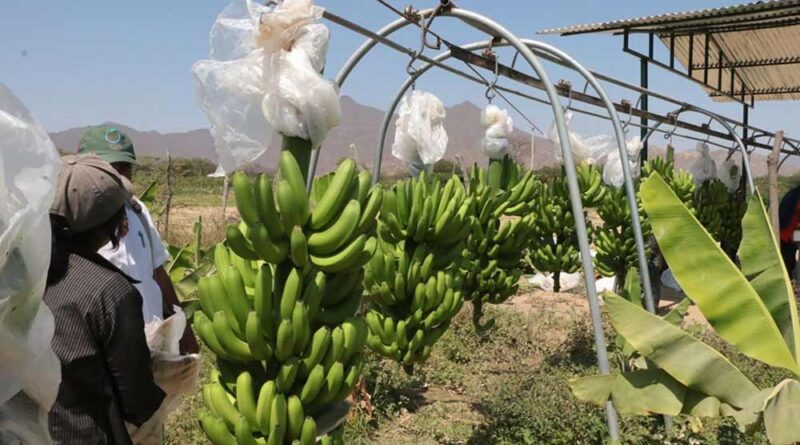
[160, 253]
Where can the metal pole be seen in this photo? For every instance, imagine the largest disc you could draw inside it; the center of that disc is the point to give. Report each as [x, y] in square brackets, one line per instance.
[643, 82]
[745, 119]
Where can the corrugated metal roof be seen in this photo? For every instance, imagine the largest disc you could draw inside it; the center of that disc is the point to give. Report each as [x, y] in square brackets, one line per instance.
[760, 40]
[747, 12]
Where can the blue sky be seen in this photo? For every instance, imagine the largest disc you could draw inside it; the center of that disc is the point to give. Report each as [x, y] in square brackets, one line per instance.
[88, 61]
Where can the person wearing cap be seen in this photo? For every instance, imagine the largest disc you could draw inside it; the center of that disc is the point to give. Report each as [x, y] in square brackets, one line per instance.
[106, 376]
[141, 255]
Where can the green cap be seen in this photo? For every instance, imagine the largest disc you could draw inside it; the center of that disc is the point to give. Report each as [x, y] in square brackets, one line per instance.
[111, 144]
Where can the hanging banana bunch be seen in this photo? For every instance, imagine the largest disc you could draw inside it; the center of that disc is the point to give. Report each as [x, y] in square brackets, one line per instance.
[414, 281]
[553, 247]
[614, 242]
[503, 227]
[720, 213]
[590, 183]
[280, 312]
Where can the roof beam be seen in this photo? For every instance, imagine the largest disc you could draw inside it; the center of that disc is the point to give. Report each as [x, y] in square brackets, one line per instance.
[749, 63]
[758, 92]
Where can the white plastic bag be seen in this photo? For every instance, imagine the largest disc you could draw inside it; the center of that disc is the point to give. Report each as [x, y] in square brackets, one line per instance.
[230, 86]
[545, 282]
[175, 374]
[704, 168]
[668, 280]
[30, 372]
[298, 101]
[498, 127]
[420, 137]
[729, 174]
[580, 151]
[612, 172]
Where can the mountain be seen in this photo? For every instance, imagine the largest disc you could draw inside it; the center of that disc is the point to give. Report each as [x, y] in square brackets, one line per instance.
[357, 136]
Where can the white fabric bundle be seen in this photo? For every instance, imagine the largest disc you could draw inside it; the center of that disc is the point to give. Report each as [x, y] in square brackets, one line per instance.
[498, 127]
[704, 168]
[612, 172]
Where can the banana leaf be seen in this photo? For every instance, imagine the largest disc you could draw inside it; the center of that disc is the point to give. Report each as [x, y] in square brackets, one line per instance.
[781, 410]
[708, 276]
[762, 263]
[684, 357]
[148, 196]
[646, 392]
[640, 392]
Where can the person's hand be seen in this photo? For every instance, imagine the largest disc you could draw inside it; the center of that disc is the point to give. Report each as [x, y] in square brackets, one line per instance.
[188, 343]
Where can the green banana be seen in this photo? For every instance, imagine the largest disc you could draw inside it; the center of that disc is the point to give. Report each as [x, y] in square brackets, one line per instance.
[264, 406]
[245, 198]
[345, 259]
[313, 384]
[216, 430]
[296, 417]
[334, 198]
[233, 346]
[298, 247]
[284, 343]
[265, 207]
[255, 340]
[277, 420]
[301, 326]
[238, 243]
[292, 288]
[287, 374]
[317, 348]
[273, 252]
[262, 300]
[246, 398]
[337, 234]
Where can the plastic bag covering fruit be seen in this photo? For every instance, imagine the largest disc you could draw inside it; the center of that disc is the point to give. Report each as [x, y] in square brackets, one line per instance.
[298, 101]
[229, 86]
[580, 151]
[730, 174]
[175, 374]
[612, 172]
[704, 167]
[29, 370]
[420, 137]
[499, 126]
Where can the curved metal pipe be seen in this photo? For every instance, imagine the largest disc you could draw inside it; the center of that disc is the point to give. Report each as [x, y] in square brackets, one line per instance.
[619, 134]
[495, 29]
[745, 155]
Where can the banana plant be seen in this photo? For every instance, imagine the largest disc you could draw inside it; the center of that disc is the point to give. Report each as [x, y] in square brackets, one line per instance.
[752, 307]
[188, 263]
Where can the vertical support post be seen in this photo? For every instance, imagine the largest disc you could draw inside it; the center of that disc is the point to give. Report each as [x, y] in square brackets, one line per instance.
[168, 204]
[643, 82]
[772, 165]
[745, 123]
[691, 53]
[672, 50]
[705, 59]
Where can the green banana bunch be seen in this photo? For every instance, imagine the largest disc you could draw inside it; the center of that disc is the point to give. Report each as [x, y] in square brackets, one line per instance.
[495, 245]
[413, 281]
[553, 246]
[720, 213]
[279, 310]
[681, 182]
[614, 243]
[590, 182]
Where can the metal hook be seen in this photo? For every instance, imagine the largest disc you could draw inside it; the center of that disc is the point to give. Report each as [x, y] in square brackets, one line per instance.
[491, 91]
[626, 104]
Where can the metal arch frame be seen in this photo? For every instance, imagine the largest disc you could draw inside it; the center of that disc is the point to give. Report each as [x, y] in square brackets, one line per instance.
[793, 145]
[714, 117]
[496, 30]
[619, 134]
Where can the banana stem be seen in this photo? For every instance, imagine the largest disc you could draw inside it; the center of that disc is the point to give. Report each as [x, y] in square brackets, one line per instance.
[495, 174]
[477, 314]
[301, 150]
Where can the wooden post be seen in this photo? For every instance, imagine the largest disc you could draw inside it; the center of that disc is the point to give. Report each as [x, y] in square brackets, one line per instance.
[772, 165]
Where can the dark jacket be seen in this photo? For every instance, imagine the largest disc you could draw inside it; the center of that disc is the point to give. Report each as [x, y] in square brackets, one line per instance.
[105, 362]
